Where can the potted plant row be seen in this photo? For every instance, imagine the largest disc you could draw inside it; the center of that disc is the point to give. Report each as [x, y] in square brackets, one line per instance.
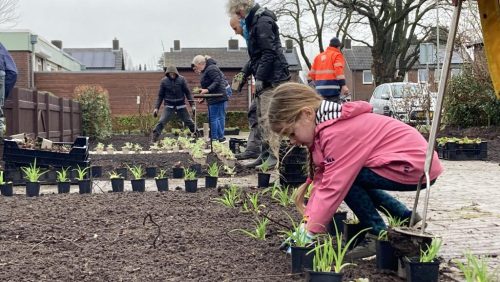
[190, 180]
[424, 268]
[386, 254]
[84, 183]
[263, 177]
[117, 181]
[213, 175]
[63, 182]
[138, 183]
[32, 174]
[162, 181]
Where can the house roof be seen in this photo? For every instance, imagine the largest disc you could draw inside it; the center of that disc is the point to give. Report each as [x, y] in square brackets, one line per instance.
[98, 58]
[360, 58]
[225, 58]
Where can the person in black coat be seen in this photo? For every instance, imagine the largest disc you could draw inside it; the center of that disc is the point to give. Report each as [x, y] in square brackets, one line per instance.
[173, 92]
[212, 81]
[8, 78]
[267, 62]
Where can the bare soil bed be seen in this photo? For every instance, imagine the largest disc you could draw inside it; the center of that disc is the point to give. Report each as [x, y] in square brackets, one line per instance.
[109, 237]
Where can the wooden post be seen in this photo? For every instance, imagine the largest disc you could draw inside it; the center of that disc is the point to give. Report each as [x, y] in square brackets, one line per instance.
[47, 115]
[16, 121]
[71, 119]
[61, 119]
[36, 108]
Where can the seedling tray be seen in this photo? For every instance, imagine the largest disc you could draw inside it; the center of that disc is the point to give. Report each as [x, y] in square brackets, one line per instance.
[15, 156]
[463, 152]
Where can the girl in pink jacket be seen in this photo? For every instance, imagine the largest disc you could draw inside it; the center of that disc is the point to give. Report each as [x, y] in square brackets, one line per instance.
[354, 154]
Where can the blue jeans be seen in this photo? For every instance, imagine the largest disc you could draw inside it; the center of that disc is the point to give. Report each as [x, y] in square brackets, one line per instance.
[217, 120]
[366, 196]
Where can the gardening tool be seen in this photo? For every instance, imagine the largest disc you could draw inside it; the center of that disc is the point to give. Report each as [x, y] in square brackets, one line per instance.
[209, 124]
[419, 237]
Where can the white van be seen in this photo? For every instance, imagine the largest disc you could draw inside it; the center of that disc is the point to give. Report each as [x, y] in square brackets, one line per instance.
[406, 101]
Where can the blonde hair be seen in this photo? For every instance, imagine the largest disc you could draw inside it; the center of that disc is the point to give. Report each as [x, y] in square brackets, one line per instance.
[233, 6]
[200, 59]
[287, 102]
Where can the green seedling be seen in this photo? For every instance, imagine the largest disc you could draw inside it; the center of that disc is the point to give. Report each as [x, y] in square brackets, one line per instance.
[254, 201]
[230, 170]
[231, 196]
[2, 181]
[476, 269]
[137, 171]
[161, 174]
[326, 256]
[430, 254]
[382, 235]
[213, 170]
[62, 175]
[33, 172]
[353, 220]
[114, 175]
[394, 221]
[297, 236]
[260, 229]
[264, 167]
[99, 146]
[189, 174]
[81, 172]
[283, 197]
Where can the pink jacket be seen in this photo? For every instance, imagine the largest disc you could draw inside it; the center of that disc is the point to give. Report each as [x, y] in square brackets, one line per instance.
[359, 138]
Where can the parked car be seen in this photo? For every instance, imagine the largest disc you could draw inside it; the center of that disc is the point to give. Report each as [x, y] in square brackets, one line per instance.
[406, 101]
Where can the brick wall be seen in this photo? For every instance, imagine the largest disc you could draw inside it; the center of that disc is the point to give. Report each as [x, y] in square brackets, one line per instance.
[124, 87]
[23, 64]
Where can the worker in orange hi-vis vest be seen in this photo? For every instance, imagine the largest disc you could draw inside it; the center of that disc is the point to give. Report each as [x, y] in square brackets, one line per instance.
[327, 72]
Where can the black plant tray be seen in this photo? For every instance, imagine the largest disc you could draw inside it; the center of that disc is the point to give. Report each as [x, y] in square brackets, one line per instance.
[15, 156]
[463, 152]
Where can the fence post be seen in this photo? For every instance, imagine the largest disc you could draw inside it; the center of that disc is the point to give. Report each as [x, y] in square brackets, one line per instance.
[16, 121]
[47, 115]
[61, 119]
[36, 108]
[71, 120]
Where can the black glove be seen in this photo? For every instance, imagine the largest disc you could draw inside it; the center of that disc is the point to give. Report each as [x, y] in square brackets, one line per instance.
[259, 86]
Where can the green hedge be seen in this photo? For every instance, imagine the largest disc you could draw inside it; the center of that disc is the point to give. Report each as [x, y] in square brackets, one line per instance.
[96, 115]
[470, 101]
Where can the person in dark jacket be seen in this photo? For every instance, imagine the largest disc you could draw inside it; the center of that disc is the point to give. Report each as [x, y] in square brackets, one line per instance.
[267, 62]
[212, 81]
[8, 78]
[173, 92]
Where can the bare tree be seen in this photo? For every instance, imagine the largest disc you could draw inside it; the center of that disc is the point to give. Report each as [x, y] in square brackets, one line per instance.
[307, 21]
[8, 13]
[397, 28]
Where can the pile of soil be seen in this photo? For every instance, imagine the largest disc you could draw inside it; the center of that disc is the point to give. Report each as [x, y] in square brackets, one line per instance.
[72, 237]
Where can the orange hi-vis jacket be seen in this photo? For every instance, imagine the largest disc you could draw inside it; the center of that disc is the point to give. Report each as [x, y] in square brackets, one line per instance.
[327, 72]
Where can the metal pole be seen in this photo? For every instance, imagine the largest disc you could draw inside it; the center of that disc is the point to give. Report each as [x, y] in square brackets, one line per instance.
[437, 40]
[437, 114]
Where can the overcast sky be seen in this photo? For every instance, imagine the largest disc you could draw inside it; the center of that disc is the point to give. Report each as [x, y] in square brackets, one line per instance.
[141, 26]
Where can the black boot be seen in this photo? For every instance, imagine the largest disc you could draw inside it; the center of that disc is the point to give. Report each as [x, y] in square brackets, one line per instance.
[255, 163]
[247, 154]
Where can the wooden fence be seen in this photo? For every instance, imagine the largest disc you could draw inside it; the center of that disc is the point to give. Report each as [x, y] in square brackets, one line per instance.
[42, 114]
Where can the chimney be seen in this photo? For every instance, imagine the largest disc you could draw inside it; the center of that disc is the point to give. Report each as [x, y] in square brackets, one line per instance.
[289, 46]
[177, 45]
[57, 43]
[116, 44]
[233, 45]
[347, 44]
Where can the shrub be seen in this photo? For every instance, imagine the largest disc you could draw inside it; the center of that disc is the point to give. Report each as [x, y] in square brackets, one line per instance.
[470, 101]
[96, 115]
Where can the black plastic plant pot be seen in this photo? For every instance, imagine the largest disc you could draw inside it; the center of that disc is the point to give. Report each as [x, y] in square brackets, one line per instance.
[178, 172]
[211, 181]
[314, 276]
[191, 185]
[301, 261]
[85, 186]
[122, 171]
[162, 184]
[138, 185]
[263, 179]
[96, 170]
[63, 187]
[7, 189]
[32, 189]
[350, 230]
[421, 271]
[117, 184]
[196, 168]
[151, 172]
[386, 258]
[338, 219]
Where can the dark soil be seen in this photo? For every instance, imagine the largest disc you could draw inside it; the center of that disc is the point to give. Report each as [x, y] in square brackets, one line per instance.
[76, 237]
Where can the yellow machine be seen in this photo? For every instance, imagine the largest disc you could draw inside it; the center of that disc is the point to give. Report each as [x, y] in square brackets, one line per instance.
[489, 11]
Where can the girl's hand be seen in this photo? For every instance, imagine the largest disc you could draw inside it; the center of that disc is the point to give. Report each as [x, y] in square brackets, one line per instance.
[201, 100]
[204, 91]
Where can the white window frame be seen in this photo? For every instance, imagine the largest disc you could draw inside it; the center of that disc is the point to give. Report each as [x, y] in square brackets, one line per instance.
[437, 75]
[418, 76]
[371, 77]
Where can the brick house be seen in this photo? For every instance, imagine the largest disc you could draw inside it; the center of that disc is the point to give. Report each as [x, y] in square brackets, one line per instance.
[359, 70]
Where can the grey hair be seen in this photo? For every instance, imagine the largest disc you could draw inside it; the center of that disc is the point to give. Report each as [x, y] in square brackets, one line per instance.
[233, 6]
[198, 59]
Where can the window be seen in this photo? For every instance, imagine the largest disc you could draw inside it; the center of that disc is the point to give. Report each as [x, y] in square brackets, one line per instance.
[367, 77]
[437, 75]
[378, 92]
[423, 75]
